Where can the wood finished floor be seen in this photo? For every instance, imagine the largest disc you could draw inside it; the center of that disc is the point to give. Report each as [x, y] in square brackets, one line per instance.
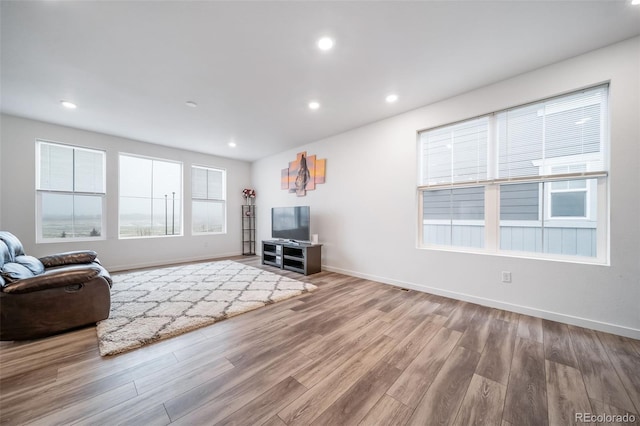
[353, 352]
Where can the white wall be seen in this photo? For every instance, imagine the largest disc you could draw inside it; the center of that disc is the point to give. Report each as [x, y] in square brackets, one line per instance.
[366, 212]
[17, 176]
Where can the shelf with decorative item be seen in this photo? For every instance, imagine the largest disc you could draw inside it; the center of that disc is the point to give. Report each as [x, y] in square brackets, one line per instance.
[249, 222]
[249, 195]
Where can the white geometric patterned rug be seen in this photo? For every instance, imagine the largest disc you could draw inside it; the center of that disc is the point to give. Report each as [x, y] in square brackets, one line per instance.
[147, 306]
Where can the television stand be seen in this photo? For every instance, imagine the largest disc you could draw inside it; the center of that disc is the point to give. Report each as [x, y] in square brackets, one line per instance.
[297, 257]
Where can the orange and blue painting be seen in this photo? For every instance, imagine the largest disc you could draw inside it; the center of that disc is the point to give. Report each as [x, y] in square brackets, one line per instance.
[303, 174]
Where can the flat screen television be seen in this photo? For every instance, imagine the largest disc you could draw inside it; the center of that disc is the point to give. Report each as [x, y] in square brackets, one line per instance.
[291, 223]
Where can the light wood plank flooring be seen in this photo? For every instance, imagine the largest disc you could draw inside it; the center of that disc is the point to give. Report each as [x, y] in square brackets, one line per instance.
[353, 352]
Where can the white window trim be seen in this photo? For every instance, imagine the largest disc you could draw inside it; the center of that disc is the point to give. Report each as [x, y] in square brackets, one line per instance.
[587, 209]
[39, 192]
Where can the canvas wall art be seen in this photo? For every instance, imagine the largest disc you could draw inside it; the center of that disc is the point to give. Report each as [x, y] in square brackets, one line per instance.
[303, 174]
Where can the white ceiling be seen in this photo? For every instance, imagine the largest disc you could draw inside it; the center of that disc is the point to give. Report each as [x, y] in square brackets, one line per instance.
[252, 67]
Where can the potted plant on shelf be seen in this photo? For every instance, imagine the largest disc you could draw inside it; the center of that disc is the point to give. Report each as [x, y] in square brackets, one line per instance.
[249, 195]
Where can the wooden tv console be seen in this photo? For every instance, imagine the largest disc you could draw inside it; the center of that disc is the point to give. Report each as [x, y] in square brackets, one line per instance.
[297, 257]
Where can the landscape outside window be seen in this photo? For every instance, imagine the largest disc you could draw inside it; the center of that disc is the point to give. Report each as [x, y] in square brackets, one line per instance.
[150, 197]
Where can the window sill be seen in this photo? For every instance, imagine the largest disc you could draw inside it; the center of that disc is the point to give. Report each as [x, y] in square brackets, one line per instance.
[68, 240]
[144, 237]
[521, 255]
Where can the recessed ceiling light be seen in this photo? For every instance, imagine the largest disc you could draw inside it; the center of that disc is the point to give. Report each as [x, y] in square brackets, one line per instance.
[325, 43]
[232, 144]
[391, 98]
[191, 104]
[314, 105]
[635, 2]
[68, 104]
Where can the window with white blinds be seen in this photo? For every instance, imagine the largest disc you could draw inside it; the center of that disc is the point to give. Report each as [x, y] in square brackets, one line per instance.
[70, 186]
[456, 153]
[544, 167]
[208, 195]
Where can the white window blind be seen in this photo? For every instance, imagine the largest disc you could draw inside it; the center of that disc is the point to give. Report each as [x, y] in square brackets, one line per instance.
[56, 167]
[198, 183]
[208, 194]
[456, 153]
[67, 168]
[207, 184]
[564, 130]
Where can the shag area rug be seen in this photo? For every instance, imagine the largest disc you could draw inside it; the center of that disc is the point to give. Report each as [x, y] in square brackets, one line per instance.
[150, 305]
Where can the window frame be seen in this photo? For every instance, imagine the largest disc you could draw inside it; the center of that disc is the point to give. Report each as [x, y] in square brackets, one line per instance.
[587, 190]
[181, 204]
[222, 200]
[492, 192]
[40, 239]
[587, 202]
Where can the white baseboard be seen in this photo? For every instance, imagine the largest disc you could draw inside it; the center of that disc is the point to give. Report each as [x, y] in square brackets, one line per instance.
[620, 330]
[117, 268]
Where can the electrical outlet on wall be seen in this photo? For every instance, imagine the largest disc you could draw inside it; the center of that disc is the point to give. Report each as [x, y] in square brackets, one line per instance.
[506, 276]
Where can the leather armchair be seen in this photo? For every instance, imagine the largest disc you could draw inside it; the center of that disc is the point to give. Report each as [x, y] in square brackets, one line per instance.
[41, 297]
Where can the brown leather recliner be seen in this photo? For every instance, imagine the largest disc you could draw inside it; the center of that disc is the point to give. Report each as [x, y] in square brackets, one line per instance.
[41, 297]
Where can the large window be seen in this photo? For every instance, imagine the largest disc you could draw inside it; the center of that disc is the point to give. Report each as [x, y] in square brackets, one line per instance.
[70, 184]
[530, 179]
[208, 195]
[150, 197]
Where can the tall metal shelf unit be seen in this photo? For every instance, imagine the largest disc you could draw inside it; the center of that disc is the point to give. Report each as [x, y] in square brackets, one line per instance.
[248, 229]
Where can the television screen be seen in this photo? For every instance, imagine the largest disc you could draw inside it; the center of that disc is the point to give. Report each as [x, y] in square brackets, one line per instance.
[291, 223]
